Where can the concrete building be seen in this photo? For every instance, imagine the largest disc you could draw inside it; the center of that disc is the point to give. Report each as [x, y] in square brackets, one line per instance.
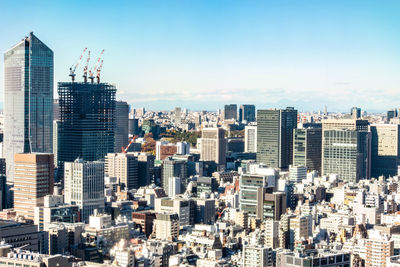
[28, 100]
[166, 226]
[377, 251]
[275, 137]
[257, 256]
[20, 234]
[317, 258]
[297, 173]
[123, 166]
[184, 208]
[385, 149]
[250, 138]
[213, 145]
[307, 148]
[84, 186]
[33, 179]
[270, 206]
[251, 190]
[121, 132]
[355, 113]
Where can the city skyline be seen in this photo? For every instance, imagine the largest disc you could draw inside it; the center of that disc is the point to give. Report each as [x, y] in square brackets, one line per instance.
[270, 54]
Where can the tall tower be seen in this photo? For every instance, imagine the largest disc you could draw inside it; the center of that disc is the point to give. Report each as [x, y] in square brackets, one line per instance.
[275, 136]
[121, 125]
[34, 178]
[28, 100]
[213, 145]
[84, 186]
[87, 123]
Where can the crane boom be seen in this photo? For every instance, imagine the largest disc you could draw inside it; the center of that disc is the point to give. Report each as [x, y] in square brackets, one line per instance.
[94, 68]
[73, 68]
[85, 69]
[98, 71]
[125, 149]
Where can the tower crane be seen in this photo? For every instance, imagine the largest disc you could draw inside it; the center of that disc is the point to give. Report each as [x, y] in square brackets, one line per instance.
[73, 68]
[125, 149]
[85, 69]
[98, 71]
[94, 68]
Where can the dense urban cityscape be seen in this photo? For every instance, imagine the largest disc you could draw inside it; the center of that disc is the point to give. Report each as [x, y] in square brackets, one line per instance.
[88, 180]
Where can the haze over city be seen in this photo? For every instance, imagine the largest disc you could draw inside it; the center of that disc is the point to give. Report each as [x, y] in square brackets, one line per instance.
[203, 54]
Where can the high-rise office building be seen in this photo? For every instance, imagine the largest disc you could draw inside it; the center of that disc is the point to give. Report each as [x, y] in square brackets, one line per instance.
[257, 256]
[133, 126]
[307, 148]
[346, 149]
[28, 100]
[146, 168]
[297, 174]
[86, 128]
[121, 131]
[84, 186]
[355, 113]
[347, 154]
[391, 114]
[166, 226]
[33, 179]
[125, 167]
[172, 168]
[275, 136]
[177, 115]
[385, 149]
[213, 145]
[270, 205]
[250, 138]
[230, 112]
[247, 113]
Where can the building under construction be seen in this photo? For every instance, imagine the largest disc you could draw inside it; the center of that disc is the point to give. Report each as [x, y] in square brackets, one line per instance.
[86, 128]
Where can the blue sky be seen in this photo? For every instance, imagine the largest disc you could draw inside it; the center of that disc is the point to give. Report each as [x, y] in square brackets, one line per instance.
[203, 54]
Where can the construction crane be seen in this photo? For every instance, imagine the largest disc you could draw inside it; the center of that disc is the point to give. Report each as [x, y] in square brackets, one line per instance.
[85, 69]
[95, 67]
[125, 149]
[73, 68]
[98, 71]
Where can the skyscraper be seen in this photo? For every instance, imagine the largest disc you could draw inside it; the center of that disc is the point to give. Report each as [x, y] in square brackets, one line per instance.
[121, 125]
[33, 179]
[275, 136]
[170, 169]
[87, 126]
[28, 100]
[346, 149]
[230, 112]
[84, 186]
[307, 148]
[213, 145]
[123, 166]
[250, 138]
[385, 149]
[247, 113]
[355, 113]
[347, 154]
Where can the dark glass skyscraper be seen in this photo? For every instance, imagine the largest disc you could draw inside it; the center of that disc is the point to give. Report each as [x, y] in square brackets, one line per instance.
[230, 112]
[121, 125]
[307, 148]
[247, 113]
[86, 128]
[275, 136]
[28, 100]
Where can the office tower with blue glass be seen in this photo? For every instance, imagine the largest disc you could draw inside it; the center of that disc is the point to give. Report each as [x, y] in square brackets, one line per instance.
[230, 112]
[247, 113]
[121, 125]
[87, 127]
[28, 99]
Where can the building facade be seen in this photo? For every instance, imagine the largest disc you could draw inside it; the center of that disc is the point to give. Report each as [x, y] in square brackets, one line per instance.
[28, 100]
